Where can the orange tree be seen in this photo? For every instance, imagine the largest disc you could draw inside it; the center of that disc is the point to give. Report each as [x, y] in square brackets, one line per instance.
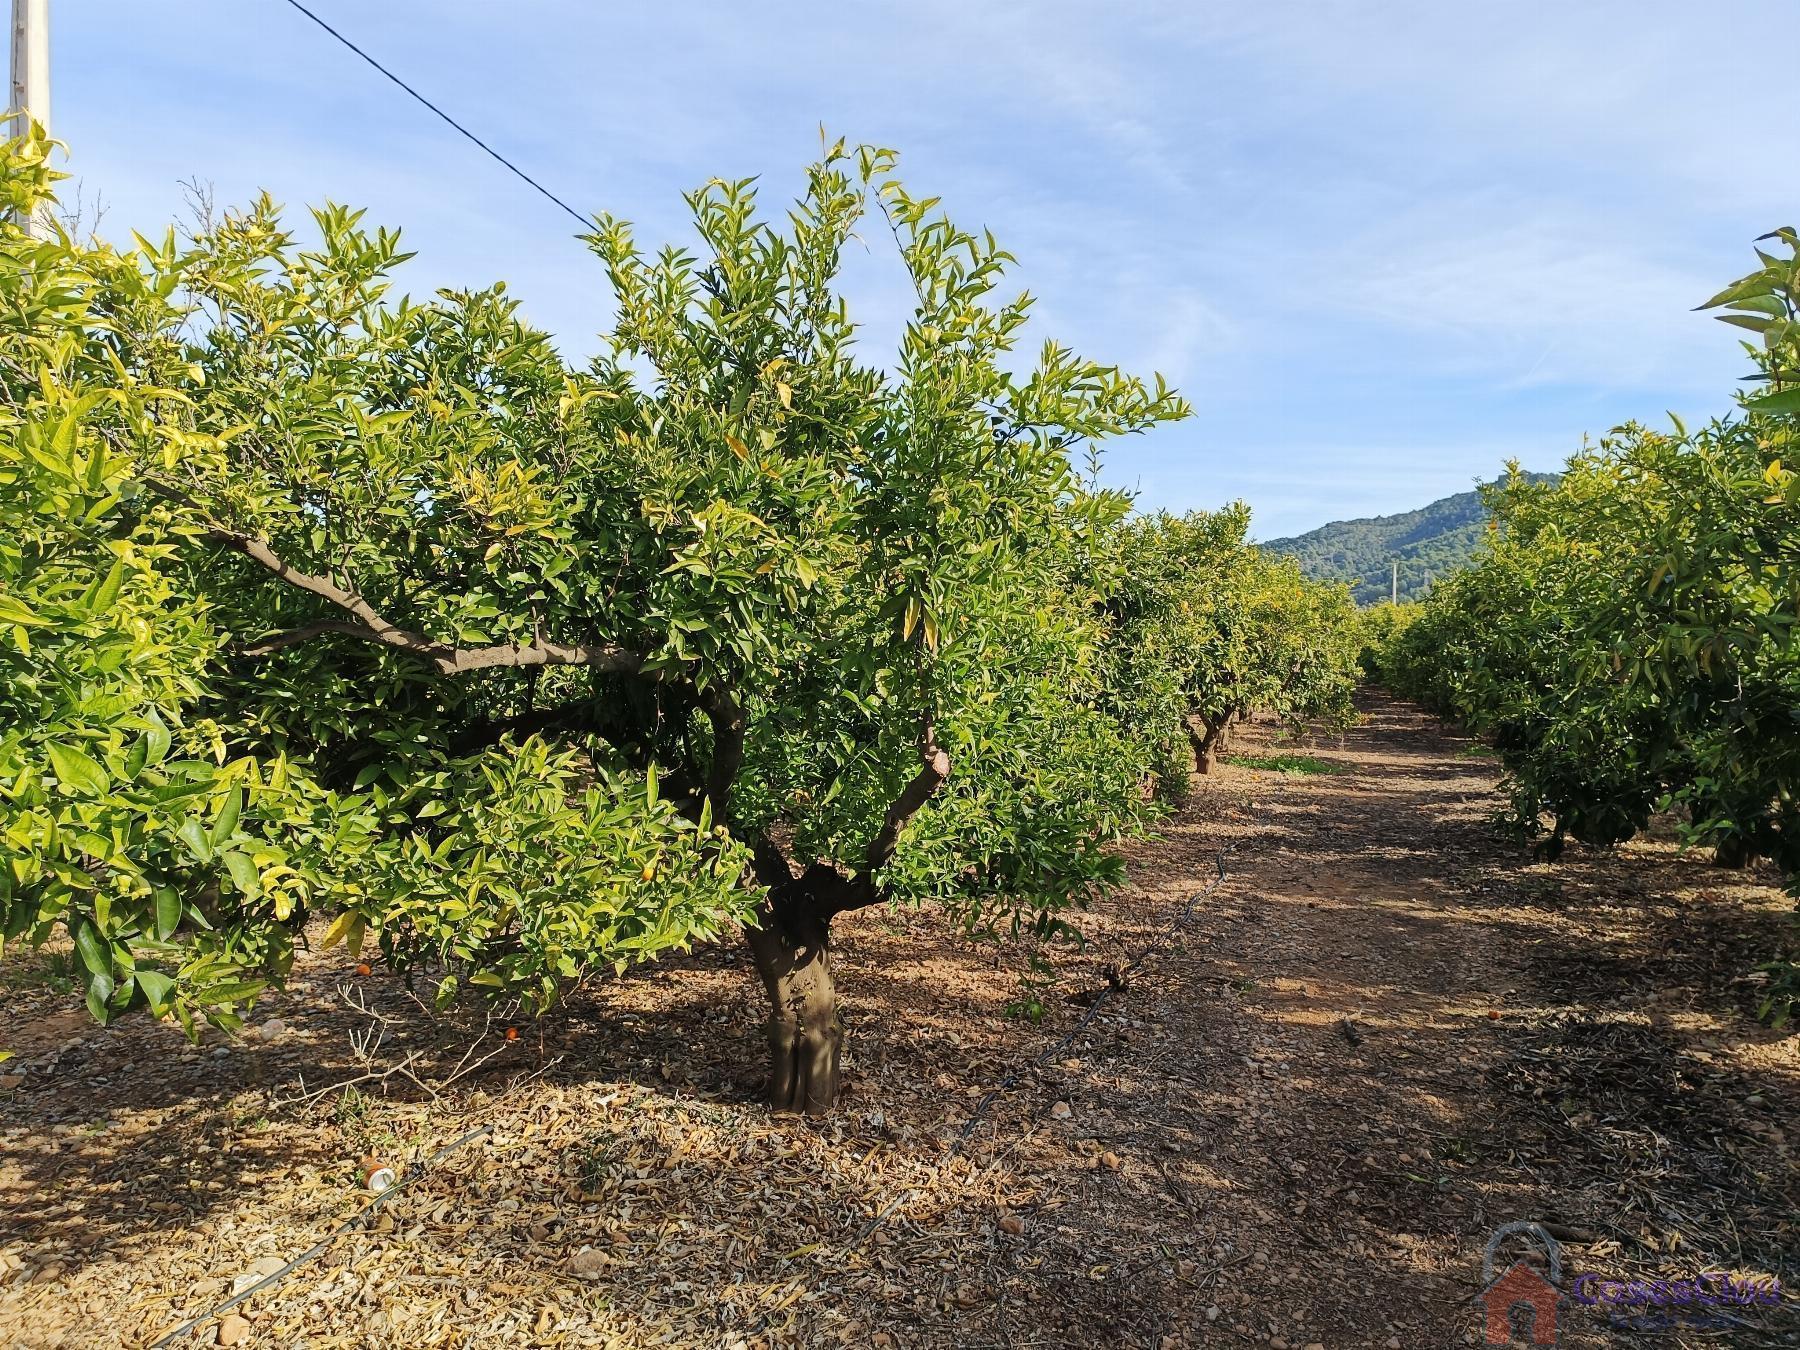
[517, 670]
[1627, 636]
[1206, 629]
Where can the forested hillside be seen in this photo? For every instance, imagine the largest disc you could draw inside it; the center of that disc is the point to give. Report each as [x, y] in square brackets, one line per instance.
[1429, 544]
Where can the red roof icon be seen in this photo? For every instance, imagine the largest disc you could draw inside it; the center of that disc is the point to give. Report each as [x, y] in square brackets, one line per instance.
[1521, 1287]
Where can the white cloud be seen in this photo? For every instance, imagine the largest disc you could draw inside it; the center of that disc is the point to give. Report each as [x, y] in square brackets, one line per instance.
[1526, 297]
[1416, 229]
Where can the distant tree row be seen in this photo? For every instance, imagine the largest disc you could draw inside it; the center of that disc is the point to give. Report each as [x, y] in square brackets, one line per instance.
[1627, 636]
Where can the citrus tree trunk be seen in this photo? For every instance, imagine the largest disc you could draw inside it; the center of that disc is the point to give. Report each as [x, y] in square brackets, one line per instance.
[1734, 851]
[806, 1037]
[1205, 743]
[790, 940]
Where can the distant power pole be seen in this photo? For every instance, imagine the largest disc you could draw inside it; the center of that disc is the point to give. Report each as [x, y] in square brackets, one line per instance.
[31, 76]
[1394, 586]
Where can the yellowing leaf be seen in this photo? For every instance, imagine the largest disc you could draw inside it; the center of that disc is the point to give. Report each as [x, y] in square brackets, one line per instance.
[347, 925]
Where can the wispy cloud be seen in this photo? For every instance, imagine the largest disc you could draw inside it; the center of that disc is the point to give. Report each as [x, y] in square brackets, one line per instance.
[1381, 244]
[1529, 297]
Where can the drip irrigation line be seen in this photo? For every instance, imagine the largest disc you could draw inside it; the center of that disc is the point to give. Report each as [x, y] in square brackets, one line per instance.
[502, 160]
[368, 1210]
[1114, 985]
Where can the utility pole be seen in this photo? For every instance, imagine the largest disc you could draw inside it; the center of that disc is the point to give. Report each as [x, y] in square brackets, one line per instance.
[31, 79]
[1394, 586]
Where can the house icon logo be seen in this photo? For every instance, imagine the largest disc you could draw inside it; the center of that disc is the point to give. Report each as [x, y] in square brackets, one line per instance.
[1521, 1288]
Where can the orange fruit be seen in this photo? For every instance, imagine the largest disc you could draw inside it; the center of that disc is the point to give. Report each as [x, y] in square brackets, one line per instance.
[363, 969]
[1494, 1013]
[512, 1033]
[649, 871]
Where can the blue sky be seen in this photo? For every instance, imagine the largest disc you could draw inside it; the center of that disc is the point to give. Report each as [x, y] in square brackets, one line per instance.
[1382, 246]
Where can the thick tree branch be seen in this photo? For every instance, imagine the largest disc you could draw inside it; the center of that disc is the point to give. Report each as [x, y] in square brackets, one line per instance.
[934, 768]
[371, 626]
[822, 891]
[295, 637]
[726, 715]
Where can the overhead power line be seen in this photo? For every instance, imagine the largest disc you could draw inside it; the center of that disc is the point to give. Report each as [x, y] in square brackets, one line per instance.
[499, 158]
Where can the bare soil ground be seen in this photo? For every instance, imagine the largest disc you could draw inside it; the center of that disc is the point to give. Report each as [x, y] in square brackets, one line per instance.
[1383, 1035]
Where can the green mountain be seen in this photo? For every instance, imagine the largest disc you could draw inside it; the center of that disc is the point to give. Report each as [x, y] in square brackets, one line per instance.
[1428, 543]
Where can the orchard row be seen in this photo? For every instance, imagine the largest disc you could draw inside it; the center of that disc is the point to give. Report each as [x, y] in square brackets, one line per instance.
[1626, 639]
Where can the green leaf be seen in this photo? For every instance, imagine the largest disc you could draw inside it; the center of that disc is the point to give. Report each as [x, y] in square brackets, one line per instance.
[157, 988]
[106, 593]
[226, 824]
[95, 954]
[244, 874]
[156, 738]
[194, 835]
[1787, 401]
[346, 928]
[1762, 304]
[1757, 283]
[99, 993]
[168, 912]
[1756, 323]
[77, 770]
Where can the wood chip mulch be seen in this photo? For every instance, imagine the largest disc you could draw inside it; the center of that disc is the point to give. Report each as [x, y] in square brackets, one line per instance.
[1386, 1033]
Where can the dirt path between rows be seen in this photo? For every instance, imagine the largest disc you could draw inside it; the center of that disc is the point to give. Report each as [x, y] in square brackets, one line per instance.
[1383, 1035]
[1390, 1034]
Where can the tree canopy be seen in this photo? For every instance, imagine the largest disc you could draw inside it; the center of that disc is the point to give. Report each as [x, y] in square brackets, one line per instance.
[1626, 636]
[324, 601]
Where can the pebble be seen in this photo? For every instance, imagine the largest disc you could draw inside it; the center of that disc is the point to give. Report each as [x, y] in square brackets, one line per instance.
[271, 1028]
[1214, 1313]
[1061, 1111]
[588, 1263]
[233, 1329]
[258, 1270]
[1391, 1343]
[221, 1052]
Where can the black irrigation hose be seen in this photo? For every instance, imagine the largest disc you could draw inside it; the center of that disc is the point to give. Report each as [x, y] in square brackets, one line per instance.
[1113, 986]
[318, 1247]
